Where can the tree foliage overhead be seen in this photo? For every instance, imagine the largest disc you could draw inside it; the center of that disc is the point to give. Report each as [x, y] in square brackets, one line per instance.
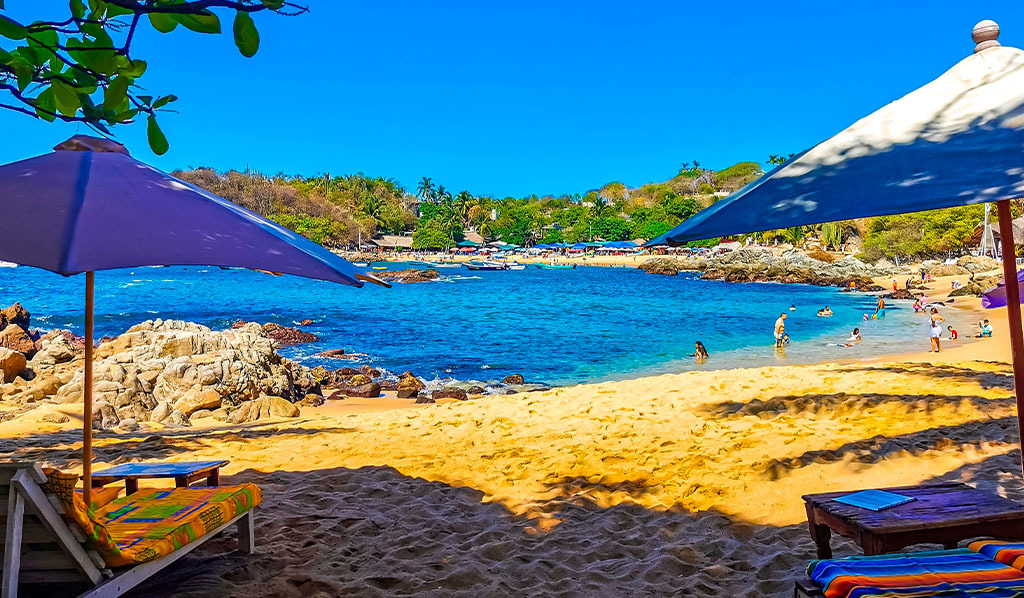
[81, 68]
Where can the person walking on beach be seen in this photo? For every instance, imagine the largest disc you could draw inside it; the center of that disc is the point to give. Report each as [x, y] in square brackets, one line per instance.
[780, 329]
[935, 330]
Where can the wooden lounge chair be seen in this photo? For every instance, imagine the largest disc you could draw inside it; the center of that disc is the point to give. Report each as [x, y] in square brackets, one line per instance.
[43, 543]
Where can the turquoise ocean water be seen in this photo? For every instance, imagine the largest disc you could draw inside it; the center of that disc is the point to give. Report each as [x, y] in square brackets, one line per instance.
[554, 326]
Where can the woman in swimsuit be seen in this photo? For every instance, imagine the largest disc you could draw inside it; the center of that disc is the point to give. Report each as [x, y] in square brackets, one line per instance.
[935, 329]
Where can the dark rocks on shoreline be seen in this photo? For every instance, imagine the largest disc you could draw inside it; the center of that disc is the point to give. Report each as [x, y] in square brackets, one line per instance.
[282, 335]
[410, 275]
[514, 379]
[449, 393]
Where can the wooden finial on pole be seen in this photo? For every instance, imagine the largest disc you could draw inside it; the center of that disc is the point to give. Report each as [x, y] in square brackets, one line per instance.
[984, 35]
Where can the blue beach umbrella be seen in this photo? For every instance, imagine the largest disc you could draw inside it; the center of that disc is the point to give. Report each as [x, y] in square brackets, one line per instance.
[956, 141]
[90, 206]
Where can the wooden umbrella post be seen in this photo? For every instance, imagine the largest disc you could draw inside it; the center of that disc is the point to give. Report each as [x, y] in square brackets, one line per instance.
[1013, 312]
[87, 396]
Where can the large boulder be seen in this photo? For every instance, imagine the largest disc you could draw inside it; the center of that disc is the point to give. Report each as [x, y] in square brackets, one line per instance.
[514, 379]
[194, 400]
[15, 315]
[948, 270]
[17, 339]
[11, 364]
[264, 407]
[449, 393]
[104, 416]
[369, 390]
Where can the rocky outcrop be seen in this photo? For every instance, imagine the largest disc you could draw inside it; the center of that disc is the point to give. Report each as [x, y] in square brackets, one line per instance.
[165, 371]
[899, 294]
[663, 266]
[283, 335]
[514, 379]
[763, 265]
[408, 276]
[409, 386]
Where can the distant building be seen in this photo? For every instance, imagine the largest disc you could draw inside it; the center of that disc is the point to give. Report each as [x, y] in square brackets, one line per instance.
[393, 242]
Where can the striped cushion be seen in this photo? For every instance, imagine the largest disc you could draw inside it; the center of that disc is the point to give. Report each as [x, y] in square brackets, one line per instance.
[959, 572]
[1007, 553]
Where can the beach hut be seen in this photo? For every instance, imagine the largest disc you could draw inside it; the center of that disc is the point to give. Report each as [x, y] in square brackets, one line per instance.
[89, 206]
[955, 141]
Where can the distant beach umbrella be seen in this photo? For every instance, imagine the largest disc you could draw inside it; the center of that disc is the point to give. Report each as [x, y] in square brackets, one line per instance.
[89, 205]
[956, 141]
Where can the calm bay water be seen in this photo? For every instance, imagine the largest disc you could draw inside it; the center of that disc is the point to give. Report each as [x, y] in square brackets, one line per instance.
[555, 326]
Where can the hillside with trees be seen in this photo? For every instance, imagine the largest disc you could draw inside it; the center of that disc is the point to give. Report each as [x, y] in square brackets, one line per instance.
[338, 211]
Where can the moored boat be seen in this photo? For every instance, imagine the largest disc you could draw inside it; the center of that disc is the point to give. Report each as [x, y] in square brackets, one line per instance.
[556, 266]
[4, 264]
[478, 265]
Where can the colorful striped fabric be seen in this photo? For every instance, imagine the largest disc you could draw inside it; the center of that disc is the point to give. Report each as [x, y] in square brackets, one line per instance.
[1007, 553]
[151, 523]
[959, 572]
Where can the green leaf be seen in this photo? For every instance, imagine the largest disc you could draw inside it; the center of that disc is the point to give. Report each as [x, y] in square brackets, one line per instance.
[23, 71]
[137, 68]
[273, 4]
[77, 9]
[164, 23]
[157, 141]
[246, 37]
[65, 97]
[116, 92]
[203, 22]
[164, 101]
[11, 29]
[45, 106]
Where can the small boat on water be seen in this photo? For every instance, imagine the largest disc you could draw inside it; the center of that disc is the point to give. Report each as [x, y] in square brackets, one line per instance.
[360, 264]
[478, 265]
[380, 267]
[517, 267]
[556, 266]
[4, 264]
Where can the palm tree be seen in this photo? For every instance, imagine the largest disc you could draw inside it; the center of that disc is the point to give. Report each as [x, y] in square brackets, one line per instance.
[600, 207]
[441, 194]
[463, 201]
[425, 189]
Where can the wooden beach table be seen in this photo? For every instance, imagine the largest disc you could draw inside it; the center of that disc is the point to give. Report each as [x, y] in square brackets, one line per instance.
[183, 472]
[943, 514]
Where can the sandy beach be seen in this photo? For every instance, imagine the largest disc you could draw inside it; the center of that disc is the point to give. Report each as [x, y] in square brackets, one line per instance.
[679, 484]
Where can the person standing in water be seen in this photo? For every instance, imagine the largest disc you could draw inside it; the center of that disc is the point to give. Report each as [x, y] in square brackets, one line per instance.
[780, 329]
[935, 323]
[700, 352]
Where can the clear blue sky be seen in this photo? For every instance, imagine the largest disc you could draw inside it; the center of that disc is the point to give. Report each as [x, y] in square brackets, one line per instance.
[513, 98]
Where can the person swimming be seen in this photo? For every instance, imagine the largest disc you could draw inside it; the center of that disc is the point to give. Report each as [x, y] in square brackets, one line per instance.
[855, 335]
[792, 308]
[700, 352]
[824, 313]
[785, 340]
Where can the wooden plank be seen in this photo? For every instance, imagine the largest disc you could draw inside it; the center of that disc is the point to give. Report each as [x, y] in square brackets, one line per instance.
[9, 468]
[12, 544]
[127, 580]
[52, 576]
[40, 560]
[38, 502]
[31, 532]
[246, 538]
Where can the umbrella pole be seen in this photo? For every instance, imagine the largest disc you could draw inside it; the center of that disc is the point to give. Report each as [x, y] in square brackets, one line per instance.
[1013, 311]
[87, 396]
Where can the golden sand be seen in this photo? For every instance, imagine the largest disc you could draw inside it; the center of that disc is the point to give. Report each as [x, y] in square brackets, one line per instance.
[685, 484]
